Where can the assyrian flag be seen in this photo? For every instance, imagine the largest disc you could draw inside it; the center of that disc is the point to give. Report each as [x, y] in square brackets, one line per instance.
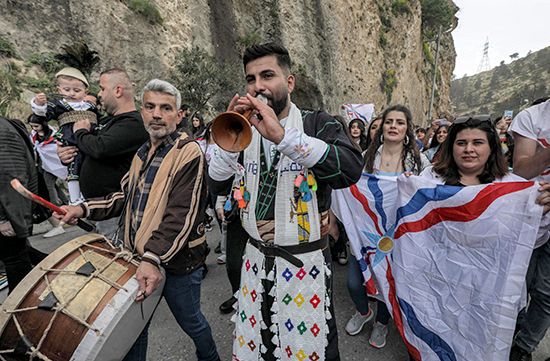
[453, 262]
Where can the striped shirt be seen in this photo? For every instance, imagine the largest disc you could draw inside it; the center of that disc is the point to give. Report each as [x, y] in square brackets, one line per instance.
[147, 175]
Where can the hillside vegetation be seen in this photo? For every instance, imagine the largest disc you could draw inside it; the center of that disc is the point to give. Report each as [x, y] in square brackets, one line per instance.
[507, 87]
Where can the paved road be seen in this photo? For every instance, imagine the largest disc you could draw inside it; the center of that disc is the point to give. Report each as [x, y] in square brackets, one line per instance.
[168, 342]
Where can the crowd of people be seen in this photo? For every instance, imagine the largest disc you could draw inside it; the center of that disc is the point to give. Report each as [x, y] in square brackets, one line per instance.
[147, 178]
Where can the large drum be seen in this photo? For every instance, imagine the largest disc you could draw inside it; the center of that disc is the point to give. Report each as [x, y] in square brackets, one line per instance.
[77, 304]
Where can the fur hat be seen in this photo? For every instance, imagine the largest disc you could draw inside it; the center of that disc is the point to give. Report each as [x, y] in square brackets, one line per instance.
[73, 73]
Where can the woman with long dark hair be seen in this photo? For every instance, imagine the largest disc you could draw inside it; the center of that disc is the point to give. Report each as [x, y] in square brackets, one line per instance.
[357, 131]
[471, 155]
[372, 129]
[198, 128]
[392, 152]
[432, 153]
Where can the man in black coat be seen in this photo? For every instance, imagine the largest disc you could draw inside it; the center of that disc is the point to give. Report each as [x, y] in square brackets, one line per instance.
[16, 161]
[109, 148]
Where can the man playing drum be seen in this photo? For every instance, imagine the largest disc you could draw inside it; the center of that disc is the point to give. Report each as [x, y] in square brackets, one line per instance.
[161, 207]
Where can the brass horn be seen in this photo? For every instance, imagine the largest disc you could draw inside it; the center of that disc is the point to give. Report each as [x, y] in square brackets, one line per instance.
[232, 131]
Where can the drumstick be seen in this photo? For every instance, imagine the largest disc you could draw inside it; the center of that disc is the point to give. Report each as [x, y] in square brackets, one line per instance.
[16, 184]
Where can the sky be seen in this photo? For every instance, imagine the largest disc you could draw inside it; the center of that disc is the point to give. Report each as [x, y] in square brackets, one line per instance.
[511, 26]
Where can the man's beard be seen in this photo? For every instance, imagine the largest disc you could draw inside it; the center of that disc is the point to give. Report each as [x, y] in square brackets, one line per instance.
[278, 105]
[159, 133]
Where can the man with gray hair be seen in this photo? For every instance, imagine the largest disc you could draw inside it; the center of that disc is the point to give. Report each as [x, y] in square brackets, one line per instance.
[161, 205]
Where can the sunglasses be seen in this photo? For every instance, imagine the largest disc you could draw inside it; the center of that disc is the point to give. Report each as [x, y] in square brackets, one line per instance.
[479, 118]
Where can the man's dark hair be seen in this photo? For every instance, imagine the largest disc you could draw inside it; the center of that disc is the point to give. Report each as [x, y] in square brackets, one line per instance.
[540, 100]
[184, 107]
[260, 50]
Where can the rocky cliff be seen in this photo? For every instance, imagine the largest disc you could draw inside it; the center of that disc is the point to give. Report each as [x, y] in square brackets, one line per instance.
[343, 50]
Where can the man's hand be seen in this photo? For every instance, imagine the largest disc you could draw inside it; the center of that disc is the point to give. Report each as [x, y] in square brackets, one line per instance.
[544, 197]
[40, 99]
[6, 229]
[72, 214]
[149, 278]
[82, 124]
[269, 127]
[66, 154]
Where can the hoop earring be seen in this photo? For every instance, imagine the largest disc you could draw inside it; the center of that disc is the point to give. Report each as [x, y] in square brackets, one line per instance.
[381, 138]
[406, 141]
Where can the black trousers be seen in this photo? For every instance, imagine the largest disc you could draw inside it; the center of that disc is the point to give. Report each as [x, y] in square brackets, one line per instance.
[331, 352]
[19, 258]
[234, 251]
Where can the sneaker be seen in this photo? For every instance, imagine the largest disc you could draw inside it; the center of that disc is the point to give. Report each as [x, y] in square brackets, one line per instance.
[378, 335]
[221, 259]
[357, 321]
[55, 231]
[519, 354]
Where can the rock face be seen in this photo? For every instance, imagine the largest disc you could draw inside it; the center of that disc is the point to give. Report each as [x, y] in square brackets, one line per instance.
[343, 50]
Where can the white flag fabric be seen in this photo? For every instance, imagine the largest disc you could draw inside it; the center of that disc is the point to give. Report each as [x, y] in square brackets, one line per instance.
[358, 111]
[449, 261]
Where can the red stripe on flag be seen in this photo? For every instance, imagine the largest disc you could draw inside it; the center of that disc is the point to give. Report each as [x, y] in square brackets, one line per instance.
[397, 316]
[466, 212]
[543, 142]
[365, 203]
[370, 287]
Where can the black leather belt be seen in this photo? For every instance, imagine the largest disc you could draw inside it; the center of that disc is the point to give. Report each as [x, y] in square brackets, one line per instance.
[288, 252]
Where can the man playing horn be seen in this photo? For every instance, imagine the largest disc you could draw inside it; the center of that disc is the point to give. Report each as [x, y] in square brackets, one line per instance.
[283, 191]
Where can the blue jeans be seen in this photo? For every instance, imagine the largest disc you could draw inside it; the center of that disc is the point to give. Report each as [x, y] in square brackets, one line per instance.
[358, 293]
[534, 322]
[183, 295]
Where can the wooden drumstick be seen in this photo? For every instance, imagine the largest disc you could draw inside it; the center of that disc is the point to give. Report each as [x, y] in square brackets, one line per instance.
[16, 184]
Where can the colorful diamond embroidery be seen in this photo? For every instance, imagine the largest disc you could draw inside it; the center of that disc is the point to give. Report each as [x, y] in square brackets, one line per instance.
[287, 274]
[301, 274]
[247, 264]
[255, 269]
[243, 316]
[301, 355]
[288, 351]
[241, 341]
[299, 300]
[314, 357]
[254, 295]
[245, 290]
[302, 328]
[315, 301]
[287, 299]
[289, 325]
[314, 272]
[315, 330]
[253, 322]
[252, 345]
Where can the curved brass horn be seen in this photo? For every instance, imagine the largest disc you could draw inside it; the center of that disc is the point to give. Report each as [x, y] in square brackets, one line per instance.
[232, 131]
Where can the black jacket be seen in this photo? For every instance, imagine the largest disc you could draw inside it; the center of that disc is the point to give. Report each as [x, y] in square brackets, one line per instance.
[16, 161]
[109, 150]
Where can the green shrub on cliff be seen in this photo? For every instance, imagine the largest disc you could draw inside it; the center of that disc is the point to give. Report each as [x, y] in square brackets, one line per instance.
[7, 49]
[147, 9]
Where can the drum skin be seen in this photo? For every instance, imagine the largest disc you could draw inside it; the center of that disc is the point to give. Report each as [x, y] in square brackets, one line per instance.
[66, 334]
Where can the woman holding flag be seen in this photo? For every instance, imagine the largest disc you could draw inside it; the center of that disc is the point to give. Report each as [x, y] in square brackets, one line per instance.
[392, 152]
